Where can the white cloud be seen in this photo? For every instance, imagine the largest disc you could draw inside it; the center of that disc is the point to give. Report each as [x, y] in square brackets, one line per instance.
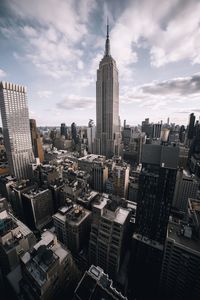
[170, 94]
[2, 74]
[80, 65]
[52, 41]
[170, 29]
[72, 102]
[45, 94]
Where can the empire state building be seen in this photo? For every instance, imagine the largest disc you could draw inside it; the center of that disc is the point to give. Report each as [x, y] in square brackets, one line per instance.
[108, 135]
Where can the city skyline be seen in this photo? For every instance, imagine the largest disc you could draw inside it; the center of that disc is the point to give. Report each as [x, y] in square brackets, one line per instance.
[56, 55]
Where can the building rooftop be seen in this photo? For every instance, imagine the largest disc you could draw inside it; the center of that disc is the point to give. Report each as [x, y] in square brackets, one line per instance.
[34, 192]
[74, 215]
[95, 284]
[183, 236]
[45, 254]
[92, 158]
[148, 241]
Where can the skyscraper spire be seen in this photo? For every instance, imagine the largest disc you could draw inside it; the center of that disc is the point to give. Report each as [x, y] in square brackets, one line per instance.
[107, 46]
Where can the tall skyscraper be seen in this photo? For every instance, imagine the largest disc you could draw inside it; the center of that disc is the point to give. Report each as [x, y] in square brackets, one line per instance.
[156, 189]
[190, 129]
[63, 130]
[16, 128]
[36, 141]
[108, 136]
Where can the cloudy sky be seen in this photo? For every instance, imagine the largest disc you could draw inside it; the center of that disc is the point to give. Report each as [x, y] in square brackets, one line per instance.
[54, 48]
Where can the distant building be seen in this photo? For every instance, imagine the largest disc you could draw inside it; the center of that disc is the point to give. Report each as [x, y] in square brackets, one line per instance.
[108, 236]
[91, 132]
[156, 132]
[94, 285]
[63, 130]
[180, 277]
[72, 225]
[16, 128]
[74, 133]
[190, 129]
[15, 239]
[38, 207]
[36, 141]
[147, 127]
[47, 271]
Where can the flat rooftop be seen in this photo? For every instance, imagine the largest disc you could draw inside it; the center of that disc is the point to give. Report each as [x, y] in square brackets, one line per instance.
[174, 232]
[92, 158]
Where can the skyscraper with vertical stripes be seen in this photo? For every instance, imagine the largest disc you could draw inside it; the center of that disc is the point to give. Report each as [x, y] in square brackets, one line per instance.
[107, 140]
[16, 128]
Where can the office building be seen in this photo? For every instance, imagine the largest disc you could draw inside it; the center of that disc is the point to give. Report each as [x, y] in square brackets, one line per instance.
[186, 187]
[86, 163]
[180, 277]
[38, 207]
[72, 225]
[190, 129]
[74, 133]
[16, 190]
[108, 235]
[99, 176]
[63, 130]
[91, 132]
[156, 132]
[108, 135]
[36, 141]
[16, 128]
[47, 271]
[120, 175]
[94, 285]
[133, 188]
[155, 195]
[15, 239]
[147, 127]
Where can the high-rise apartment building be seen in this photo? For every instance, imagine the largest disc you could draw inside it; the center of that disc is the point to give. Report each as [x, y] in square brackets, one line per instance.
[36, 141]
[108, 135]
[180, 277]
[16, 128]
[156, 189]
[108, 236]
